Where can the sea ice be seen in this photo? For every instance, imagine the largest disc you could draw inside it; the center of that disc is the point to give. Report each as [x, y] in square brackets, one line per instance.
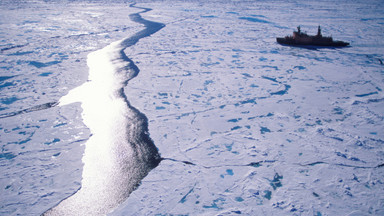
[246, 126]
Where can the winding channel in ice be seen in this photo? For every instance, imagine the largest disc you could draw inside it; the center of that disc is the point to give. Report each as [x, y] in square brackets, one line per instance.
[120, 153]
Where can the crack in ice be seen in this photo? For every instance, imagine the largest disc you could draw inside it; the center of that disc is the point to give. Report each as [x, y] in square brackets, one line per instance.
[341, 164]
[120, 153]
[260, 163]
[28, 110]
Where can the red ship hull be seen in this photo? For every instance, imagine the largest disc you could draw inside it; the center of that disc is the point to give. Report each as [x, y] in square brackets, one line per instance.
[293, 42]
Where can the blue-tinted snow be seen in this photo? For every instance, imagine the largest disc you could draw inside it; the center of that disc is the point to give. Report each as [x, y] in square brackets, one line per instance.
[272, 130]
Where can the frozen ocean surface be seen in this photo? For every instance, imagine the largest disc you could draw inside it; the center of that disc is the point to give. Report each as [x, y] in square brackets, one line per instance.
[245, 126]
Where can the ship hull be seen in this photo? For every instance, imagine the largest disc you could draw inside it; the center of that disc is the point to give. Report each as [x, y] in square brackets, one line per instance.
[293, 42]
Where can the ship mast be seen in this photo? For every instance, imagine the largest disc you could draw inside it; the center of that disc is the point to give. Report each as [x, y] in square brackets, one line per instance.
[318, 32]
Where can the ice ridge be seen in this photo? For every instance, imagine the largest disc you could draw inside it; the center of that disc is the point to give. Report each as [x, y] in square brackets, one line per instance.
[31, 109]
[120, 153]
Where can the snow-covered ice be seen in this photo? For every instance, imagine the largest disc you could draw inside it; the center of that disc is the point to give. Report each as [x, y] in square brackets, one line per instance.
[246, 126]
